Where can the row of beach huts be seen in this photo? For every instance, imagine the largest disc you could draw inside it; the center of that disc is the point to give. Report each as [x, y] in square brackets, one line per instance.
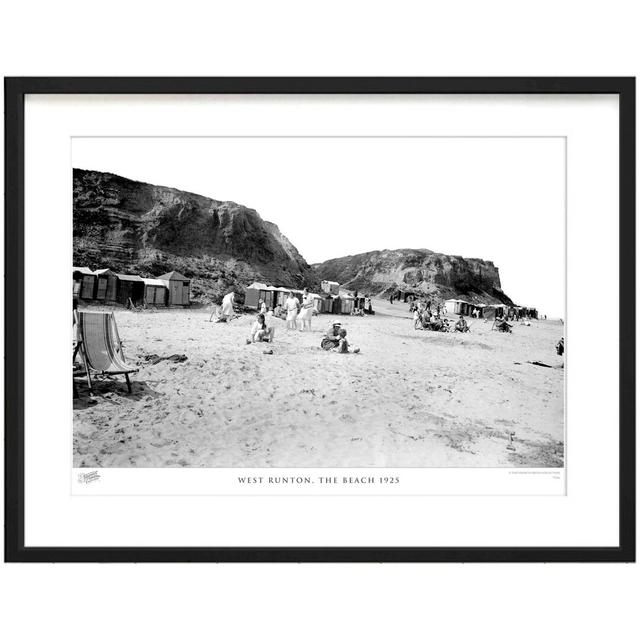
[489, 311]
[330, 300]
[104, 285]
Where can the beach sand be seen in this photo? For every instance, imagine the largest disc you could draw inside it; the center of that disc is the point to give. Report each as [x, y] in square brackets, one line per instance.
[409, 399]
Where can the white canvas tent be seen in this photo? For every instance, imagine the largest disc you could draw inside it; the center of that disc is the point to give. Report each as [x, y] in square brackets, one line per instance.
[456, 307]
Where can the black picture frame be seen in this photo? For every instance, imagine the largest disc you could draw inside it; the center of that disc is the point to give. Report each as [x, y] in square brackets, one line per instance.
[15, 91]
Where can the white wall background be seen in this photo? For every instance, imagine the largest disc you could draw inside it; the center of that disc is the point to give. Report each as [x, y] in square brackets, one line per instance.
[330, 38]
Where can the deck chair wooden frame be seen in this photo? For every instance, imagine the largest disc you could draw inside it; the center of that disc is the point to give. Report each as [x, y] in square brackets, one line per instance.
[100, 346]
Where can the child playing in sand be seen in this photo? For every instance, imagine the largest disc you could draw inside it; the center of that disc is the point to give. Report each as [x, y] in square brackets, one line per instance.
[343, 345]
[261, 331]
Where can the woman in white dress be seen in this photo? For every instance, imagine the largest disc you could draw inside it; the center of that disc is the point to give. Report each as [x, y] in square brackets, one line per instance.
[306, 313]
[227, 307]
[291, 305]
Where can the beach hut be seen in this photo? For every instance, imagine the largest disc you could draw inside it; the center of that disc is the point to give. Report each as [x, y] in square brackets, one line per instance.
[529, 312]
[359, 302]
[88, 282]
[130, 288]
[178, 289]
[76, 276]
[251, 297]
[253, 294]
[271, 296]
[107, 287]
[330, 287]
[155, 291]
[342, 304]
[325, 304]
[456, 307]
[501, 310]
[346, 305]
[489, 312]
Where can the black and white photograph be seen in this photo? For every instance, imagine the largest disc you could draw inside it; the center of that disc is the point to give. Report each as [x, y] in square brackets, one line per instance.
[311, 302]
[323, 314]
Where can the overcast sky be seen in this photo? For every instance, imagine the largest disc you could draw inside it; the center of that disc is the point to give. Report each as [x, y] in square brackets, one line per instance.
[501, 199]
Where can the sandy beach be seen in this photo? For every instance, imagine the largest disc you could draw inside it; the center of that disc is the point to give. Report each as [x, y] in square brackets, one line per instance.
[409, 399]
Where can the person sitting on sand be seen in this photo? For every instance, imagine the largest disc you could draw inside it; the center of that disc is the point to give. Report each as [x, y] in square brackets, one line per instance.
[343, 344]
[436, 323]
[260, 331]
[461, 325]
[270, 319]
[227, 312]
[291, 305]
[333, 331]
[503, 325]
[331, 337]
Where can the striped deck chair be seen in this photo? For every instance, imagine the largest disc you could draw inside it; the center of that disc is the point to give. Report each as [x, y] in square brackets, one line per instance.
[100, 346]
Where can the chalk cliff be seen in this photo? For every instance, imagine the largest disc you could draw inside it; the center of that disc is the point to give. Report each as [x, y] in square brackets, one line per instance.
[145, 229]
[417, 270]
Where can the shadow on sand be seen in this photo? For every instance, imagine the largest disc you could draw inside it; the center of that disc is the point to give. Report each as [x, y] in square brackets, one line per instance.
[110, 390]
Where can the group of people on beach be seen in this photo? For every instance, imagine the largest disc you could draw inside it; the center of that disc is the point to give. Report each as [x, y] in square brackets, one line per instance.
[336, 339]
[431, 320]
[297, 316]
